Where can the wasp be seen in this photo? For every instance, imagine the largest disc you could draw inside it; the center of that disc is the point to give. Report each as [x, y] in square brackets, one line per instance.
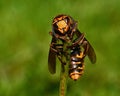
[64, 30]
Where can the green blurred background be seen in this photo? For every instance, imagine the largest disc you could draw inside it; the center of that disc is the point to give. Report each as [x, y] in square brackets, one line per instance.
[25, 39]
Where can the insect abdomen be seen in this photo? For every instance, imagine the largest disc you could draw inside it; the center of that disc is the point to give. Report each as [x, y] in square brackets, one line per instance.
[76, 66]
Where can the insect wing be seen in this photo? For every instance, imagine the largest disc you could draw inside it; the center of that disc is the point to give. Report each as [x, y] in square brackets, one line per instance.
[52, 59]
[91, 53]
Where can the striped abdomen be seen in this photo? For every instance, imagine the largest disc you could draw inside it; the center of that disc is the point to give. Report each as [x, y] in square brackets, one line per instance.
[76, 66]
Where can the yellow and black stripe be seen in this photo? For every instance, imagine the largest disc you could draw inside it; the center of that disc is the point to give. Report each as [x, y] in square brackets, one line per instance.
[76, 66]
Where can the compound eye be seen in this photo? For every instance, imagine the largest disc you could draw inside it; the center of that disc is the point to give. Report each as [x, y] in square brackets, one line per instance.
[66, 20]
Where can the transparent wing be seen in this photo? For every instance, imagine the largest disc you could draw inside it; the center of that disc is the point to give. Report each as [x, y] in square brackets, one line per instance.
[52, 59]
[91, 53]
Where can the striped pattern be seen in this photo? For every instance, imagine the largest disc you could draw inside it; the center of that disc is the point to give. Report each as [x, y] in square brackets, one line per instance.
[76, 66]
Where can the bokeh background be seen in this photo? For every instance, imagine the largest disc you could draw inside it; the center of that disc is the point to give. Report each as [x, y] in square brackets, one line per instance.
[25, 39]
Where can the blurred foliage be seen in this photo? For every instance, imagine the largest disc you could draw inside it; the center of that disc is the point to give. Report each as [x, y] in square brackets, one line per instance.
[24, 45]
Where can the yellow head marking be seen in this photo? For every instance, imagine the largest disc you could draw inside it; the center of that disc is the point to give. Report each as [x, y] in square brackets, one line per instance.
[61, 24]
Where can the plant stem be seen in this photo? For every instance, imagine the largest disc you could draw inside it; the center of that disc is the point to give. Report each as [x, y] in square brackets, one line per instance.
[63, 80]
[63, 75]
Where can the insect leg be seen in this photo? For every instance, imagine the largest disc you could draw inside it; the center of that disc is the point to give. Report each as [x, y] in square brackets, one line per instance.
[58, 36]
[60, 58]
[79, 41]
[57, 48]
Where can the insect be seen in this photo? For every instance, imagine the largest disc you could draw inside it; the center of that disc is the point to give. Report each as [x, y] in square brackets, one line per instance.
[64, 30]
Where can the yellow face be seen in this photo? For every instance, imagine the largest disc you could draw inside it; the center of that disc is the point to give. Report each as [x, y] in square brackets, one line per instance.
[62, 26]
[61, 23]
